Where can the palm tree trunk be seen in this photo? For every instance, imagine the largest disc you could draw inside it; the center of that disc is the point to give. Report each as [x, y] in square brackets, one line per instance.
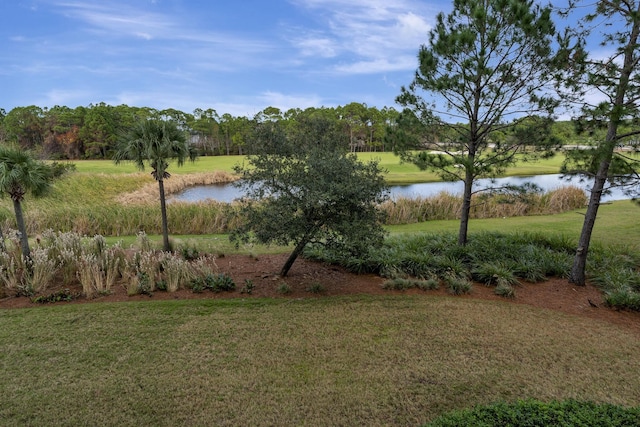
[24, 239]
[163, 210]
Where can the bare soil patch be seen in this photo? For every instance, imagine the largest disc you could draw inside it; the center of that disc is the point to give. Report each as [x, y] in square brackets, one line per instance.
[310, 279]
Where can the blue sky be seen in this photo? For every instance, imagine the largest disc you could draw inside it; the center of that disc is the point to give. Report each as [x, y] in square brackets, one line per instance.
[237, 57]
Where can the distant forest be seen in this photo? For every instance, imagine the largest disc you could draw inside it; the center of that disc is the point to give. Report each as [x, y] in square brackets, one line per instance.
[63, 133]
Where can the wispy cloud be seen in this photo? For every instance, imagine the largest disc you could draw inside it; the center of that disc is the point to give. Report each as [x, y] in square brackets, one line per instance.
[118, 20]
[371, 36]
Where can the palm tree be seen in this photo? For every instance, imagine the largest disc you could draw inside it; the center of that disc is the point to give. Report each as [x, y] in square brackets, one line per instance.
[156, 142]
[21, 173]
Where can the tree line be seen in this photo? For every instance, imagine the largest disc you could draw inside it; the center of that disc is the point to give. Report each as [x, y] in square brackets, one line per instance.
[60, 132]
[64, 133]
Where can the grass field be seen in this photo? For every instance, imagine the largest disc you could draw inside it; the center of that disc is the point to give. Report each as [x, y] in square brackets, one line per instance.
[397, 173]
[334, 361]
[394, 360]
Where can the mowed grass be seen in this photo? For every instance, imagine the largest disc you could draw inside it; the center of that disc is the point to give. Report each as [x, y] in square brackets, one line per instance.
[617, 224]
[333, 361]
[397, 173]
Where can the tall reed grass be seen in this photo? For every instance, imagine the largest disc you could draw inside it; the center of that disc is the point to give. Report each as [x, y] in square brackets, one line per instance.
[447, 206]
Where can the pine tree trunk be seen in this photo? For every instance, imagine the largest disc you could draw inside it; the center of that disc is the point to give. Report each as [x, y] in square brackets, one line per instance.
[163, 211]
[578, 270]
[466, 209]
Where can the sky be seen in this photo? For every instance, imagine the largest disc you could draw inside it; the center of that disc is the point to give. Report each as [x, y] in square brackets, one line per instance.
[237, 57]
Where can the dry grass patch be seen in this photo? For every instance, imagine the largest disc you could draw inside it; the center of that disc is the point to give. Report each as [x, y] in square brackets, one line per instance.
[334, 361]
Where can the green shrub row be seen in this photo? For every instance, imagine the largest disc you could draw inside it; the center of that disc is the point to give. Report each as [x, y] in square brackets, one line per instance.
[493, 259]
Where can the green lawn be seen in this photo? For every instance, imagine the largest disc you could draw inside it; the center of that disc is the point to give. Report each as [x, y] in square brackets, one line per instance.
[397, 173]
[394, 361]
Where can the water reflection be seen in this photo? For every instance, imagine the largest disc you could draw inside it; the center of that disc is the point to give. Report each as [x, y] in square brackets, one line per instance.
[229, 192]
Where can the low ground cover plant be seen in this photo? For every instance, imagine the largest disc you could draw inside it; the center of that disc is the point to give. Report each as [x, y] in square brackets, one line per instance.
[500, 260]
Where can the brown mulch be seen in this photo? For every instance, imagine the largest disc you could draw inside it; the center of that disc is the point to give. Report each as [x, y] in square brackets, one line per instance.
[554, 294]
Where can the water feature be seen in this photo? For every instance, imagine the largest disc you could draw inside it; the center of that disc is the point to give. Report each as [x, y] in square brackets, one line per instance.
[229, 192]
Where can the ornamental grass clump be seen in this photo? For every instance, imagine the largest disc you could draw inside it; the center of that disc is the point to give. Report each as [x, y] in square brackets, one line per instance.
[43, 269]
[176, 271]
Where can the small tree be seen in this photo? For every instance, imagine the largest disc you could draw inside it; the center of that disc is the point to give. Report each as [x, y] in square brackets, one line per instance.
[156, 142]
[485, 67]
[20, 174]
[302, 188]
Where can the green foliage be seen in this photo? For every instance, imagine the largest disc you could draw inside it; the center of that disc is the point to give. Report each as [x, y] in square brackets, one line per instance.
[57, 296]
[494, 273]
[535, 413]
[504, 289]
[284, 288]
[400, 284]
[457, 285]
[309, 191]
[143, 283]
[248, 287]
[190, 252]
[221, 282]
[316, 288]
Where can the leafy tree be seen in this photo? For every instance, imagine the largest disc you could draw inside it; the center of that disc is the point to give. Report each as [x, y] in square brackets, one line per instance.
[21, 173]
[24, 126]
[156, 142]
[303, 188]
[617, 81]
[485, 68]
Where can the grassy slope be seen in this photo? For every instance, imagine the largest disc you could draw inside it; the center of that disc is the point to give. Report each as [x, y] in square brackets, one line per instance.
[332, 361]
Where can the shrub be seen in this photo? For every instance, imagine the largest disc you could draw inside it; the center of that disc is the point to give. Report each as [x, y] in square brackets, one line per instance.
[623, 298]
[505, 290]
[248, 287]
[189, 253]
[535, 413]
[494, 273]
[284, 288]
[457, 285]
[398, 284]
[316, 288]
[219, 282]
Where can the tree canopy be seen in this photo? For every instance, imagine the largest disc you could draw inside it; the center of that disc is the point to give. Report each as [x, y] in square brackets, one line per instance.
[482, 75]
[302, 187]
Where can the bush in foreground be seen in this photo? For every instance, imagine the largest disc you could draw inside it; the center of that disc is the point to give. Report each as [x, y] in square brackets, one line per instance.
[570, 413]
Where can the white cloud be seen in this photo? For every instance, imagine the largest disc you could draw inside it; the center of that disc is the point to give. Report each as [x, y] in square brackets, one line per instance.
[368, 35]
[381, 65]
[286, 102]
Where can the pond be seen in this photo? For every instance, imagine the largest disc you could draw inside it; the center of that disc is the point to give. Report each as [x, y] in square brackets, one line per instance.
[228, 192]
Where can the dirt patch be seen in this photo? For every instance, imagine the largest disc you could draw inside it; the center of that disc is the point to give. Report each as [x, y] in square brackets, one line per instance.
[309, 279]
